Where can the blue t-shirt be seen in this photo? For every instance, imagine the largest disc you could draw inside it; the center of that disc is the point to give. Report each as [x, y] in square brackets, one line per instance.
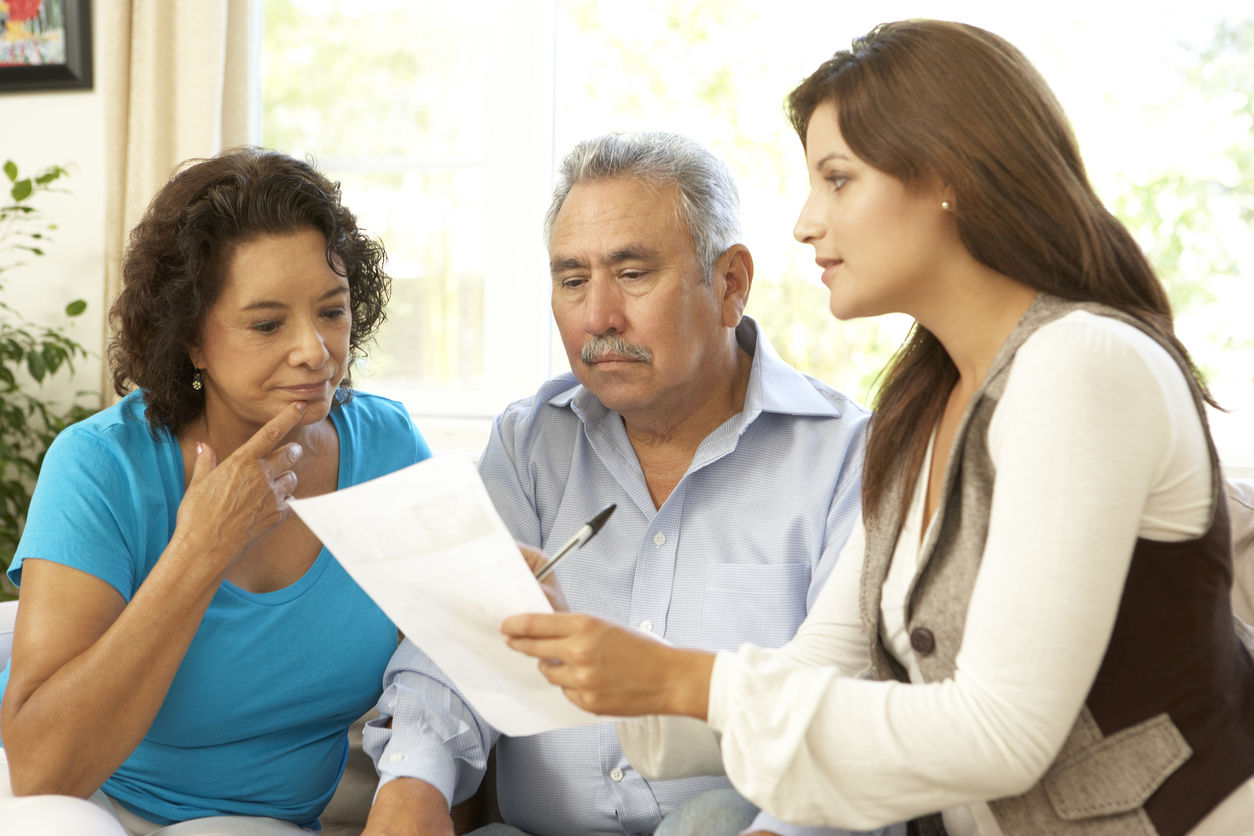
[255, 722]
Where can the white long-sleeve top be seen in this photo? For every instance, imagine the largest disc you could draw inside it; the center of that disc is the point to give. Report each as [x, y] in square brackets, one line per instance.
[1097, 442]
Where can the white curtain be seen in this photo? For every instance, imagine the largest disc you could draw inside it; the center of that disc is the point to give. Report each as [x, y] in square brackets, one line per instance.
[177, 76]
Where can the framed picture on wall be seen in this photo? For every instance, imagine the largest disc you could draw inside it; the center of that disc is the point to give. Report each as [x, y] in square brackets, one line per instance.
[45, 45]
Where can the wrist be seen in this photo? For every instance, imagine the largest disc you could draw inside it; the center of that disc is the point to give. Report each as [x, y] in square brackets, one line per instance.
[406, 806]
[689, 674]
[201, 555]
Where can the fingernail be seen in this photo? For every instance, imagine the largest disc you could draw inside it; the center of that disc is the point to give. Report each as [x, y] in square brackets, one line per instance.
[302, 405]
[297, 450]
[199, 448]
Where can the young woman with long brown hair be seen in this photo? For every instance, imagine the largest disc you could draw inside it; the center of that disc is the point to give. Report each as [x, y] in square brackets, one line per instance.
[1041, 584]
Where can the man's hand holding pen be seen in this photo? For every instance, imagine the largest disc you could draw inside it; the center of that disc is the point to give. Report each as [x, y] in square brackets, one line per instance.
[542, 566]
[536, 559]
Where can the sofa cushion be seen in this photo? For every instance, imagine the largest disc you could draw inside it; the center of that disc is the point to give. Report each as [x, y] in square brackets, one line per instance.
[350, 806]
[8, 616]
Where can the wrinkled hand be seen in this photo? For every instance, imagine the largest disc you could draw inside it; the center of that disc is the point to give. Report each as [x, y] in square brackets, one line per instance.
[231, 505]
[552, 589]
[612, 670]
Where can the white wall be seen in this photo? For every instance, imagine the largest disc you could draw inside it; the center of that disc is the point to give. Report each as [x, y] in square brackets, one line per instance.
[59, 128]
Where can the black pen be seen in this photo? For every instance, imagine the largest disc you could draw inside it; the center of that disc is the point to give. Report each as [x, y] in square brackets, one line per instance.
[589, 530]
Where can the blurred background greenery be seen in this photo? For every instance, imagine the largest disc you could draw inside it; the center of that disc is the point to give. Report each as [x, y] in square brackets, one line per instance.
[391, 97]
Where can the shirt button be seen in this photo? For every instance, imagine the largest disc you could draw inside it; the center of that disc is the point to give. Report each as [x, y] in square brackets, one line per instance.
[396, 758]
[659, 538]
[922, 640]
[616, 774]
[647, 626]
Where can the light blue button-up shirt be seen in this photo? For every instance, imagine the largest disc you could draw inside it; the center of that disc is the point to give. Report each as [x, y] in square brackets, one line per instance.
[737, 553]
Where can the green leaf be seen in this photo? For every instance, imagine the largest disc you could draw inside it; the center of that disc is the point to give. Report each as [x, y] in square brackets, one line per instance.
[11, 170]
[21, 189]
[53, 355]
[35, 364]
[7, 376]
[48, 176]
[76, 307]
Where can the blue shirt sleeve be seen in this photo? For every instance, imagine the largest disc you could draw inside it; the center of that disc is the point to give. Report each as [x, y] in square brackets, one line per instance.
[93, 508]
[435, 736]
[508, 479]
[385, 437]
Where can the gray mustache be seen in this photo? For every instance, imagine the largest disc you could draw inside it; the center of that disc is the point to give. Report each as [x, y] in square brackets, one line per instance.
[611, 343]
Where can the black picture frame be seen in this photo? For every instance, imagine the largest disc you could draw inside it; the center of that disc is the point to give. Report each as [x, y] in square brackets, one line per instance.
[75, 73]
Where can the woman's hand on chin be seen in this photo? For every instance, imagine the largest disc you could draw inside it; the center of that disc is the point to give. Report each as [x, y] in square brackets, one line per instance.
[232, 504]
[613, 670]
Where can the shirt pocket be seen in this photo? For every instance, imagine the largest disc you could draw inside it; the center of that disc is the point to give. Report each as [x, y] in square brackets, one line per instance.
[761, 603]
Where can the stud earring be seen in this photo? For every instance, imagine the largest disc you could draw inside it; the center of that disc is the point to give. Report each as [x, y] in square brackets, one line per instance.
[198, 379]
[945, 205]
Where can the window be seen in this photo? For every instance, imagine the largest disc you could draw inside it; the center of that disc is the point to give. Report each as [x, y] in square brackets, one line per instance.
[444, 121]
[436, 119]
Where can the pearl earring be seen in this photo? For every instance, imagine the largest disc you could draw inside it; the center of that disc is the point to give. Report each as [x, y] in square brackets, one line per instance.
[945, 205]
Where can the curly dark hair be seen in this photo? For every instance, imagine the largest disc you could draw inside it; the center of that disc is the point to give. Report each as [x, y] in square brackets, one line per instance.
[178, 256]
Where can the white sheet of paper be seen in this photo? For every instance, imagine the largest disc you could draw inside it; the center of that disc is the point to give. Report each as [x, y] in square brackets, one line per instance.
[426, 544]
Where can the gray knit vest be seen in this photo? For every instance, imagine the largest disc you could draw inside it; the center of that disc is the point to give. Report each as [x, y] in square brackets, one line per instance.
[1167, 731]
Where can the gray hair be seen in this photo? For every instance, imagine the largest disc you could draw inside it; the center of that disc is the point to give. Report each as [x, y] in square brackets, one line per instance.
[708, 201]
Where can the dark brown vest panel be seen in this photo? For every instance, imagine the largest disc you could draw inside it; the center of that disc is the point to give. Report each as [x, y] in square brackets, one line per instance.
[1167, 730]
[1174, 650]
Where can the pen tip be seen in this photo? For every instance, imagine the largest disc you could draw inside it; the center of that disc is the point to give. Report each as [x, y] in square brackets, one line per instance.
[599, 520]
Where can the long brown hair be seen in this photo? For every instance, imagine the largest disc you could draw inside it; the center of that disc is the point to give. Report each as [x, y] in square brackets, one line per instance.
[932, 101]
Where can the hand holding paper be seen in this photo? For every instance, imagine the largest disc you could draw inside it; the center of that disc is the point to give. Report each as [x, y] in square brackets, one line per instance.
[426, 544]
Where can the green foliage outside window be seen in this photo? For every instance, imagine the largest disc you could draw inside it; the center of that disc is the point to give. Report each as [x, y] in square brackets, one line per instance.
[714, 67]
[1193, 219]
[1196, 228]
[388, 101]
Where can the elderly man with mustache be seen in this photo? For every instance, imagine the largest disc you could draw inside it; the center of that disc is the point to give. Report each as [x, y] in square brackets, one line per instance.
[737, 481]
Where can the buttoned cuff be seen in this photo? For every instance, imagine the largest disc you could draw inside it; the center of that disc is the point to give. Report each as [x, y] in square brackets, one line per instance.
[402, 755]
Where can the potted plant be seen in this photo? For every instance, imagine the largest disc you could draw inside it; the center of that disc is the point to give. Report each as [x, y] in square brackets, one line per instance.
[29, 355]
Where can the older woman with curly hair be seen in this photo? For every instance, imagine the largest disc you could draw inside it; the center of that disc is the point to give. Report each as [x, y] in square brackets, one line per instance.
[185, 647]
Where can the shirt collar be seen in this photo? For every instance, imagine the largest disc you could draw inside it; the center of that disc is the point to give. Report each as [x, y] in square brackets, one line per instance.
[774, 386]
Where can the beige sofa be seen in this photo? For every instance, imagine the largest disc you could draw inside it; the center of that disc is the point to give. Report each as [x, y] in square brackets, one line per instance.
[1241, 508]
